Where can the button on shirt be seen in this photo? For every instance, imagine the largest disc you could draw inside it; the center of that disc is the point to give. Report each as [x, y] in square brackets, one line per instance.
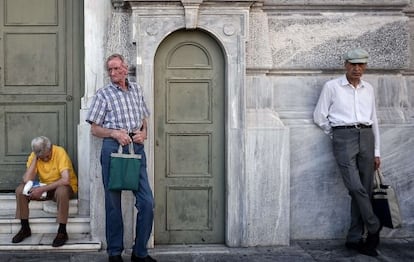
[114, 108]
[340, 104]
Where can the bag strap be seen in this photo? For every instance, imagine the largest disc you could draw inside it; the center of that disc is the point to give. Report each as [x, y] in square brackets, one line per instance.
[378, 178]
[131, 149]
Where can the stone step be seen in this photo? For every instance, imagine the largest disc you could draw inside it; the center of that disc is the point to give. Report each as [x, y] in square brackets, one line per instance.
[42, 223]
[42, 217]
[77, 242]
[44, 227]
[8, 201]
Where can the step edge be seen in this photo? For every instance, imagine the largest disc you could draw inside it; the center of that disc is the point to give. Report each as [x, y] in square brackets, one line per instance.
[94, 246]
[45, 220]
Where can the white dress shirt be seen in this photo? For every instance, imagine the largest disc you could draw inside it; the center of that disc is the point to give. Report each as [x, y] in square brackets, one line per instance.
[340, 104]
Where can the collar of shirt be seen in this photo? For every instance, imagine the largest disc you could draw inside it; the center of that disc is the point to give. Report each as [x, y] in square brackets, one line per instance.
[344, 82]
[118, 87]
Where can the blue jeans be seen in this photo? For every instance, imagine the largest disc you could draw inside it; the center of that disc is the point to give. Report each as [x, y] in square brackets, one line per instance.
[144, 202]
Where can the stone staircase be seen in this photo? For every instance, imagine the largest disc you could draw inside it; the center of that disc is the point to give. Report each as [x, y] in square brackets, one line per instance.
[44, 227]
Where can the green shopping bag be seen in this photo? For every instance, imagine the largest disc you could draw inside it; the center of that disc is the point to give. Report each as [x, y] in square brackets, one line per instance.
[124, 170]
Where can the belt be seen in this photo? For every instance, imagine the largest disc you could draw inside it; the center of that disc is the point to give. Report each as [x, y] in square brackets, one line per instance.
[358, 126]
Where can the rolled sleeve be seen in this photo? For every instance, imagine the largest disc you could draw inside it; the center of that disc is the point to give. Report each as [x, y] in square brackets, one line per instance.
[321, 112]
[96, 113]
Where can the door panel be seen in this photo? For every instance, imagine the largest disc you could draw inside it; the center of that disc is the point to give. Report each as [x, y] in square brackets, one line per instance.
[32, 12]
[35, 55]
[37, 97]
[189, 134]
[182, 95]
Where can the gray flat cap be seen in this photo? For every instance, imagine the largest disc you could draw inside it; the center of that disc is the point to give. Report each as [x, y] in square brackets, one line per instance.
[356, 56]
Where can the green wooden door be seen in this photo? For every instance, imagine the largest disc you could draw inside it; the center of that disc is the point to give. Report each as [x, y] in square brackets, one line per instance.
[189, 140]
[39, 79]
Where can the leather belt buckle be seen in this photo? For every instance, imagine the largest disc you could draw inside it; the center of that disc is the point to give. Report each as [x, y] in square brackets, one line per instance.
[358, 126]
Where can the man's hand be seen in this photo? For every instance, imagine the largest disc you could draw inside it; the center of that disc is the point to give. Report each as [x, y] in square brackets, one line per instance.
[377, 162]
[139, 136]
[121, 136]
[36, 193]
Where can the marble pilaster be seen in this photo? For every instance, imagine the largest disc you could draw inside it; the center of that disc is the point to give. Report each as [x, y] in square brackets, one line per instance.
[267, 198]
[89, 171]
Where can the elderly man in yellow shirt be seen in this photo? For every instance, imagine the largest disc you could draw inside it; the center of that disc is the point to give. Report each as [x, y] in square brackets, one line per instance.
[58, 182]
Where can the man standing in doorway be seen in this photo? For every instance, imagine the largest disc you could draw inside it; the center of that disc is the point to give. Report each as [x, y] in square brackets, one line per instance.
[346, 112]
[118, 115]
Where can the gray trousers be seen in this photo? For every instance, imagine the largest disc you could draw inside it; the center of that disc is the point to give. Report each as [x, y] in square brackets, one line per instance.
[354, 152]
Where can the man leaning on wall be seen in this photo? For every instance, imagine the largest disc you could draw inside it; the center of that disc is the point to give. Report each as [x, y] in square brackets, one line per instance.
[346, 112]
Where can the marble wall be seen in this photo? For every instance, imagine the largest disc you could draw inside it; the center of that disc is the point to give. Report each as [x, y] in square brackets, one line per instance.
[318, 40]
[307, 47]
[283, 182]
[317, 195]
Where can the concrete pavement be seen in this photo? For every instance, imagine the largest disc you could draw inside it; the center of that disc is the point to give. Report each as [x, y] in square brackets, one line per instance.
[390, 250]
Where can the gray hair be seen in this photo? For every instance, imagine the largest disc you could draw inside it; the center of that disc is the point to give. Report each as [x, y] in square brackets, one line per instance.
[113, 56]
[41, 145]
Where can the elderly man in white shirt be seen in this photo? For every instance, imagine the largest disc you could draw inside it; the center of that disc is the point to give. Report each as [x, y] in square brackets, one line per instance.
[346, 112]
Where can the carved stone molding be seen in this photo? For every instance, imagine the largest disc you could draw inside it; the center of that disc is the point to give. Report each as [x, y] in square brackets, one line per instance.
[191, 8]
[118, 3]
[259, 55]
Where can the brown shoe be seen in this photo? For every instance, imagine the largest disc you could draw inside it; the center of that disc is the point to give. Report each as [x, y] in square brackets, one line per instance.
[21, 235]
[60, 239]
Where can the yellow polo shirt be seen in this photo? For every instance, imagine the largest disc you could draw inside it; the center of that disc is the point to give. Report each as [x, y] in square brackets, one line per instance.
[50, 171]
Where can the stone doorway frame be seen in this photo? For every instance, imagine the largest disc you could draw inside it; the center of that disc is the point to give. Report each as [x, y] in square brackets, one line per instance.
[151, 23]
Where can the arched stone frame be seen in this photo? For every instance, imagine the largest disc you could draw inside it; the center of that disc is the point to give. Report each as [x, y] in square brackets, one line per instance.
[151, 24]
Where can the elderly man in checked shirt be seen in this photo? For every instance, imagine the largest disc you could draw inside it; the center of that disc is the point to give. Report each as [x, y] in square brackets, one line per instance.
[346, 112]
[118, 115]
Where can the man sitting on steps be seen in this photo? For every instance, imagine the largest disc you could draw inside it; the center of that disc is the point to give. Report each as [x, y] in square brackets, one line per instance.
[53, 167]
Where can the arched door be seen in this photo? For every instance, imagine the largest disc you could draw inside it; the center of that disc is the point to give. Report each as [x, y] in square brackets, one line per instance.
[189, 140]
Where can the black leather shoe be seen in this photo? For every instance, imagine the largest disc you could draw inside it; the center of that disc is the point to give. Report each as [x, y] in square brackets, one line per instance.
[355, 245]
[373, 239]
[135, 258]
[117, 258]
[21, 235]
[60, 239]
[368, 251]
